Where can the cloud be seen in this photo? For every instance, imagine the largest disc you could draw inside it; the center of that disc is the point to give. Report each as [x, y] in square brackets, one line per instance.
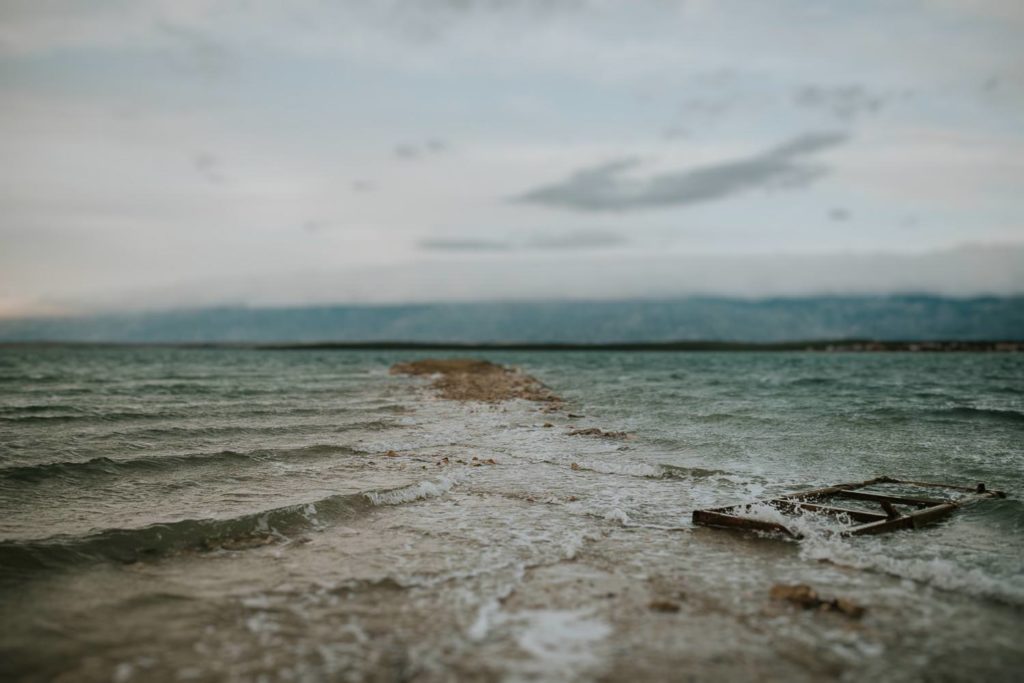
[411, 150]
[577, 240]
[603, 188]
[209, 168]
[839, 214]
[406, 151]
[314, 225]
[464, 245]
[202, 53]
[845, 102]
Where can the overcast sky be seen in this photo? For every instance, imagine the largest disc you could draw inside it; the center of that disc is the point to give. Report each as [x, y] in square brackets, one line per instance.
[195, 152]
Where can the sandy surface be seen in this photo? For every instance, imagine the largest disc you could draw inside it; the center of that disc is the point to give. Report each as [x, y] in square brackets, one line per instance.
[467, 379]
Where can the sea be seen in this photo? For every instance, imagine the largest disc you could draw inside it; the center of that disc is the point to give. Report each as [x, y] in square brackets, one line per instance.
[217, 514]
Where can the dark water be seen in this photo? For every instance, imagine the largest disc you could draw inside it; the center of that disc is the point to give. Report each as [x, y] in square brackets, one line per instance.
[196, 514]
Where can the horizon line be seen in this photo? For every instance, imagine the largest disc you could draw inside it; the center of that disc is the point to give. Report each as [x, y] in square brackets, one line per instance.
[817, 345]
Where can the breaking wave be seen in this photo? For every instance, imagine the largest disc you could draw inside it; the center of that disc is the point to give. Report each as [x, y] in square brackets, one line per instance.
[648, 471]
[156, 540]
[107, 467]
[950, 414]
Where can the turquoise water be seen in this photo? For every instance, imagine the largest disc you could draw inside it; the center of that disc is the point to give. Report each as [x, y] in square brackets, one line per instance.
[156, 503]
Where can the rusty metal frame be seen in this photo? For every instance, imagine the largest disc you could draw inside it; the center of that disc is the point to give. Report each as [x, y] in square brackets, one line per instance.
[888, 518]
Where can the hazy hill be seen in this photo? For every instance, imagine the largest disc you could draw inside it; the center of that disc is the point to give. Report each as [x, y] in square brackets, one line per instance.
[885, 318]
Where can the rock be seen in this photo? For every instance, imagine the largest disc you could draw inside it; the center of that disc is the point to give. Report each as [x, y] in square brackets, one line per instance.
[847, 607]
[664, 606]
[807, 598]
[595, 431]
[800, 594]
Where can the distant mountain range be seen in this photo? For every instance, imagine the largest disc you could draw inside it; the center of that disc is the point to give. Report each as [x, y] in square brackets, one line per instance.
[706, 319]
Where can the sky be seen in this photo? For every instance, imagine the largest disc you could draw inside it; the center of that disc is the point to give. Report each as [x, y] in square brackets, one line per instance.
[205, 152]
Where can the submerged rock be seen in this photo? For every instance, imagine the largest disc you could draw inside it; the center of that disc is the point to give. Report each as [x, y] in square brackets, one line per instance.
[808, 598]
[596, 431]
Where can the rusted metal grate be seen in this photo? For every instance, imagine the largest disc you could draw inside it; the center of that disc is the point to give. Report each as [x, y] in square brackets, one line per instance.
[894, 511]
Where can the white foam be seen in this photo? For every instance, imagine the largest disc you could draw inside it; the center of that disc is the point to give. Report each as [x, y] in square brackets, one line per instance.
[418, 491]
[617, 515]
[562, 643]
[632, 469]
[943, 573]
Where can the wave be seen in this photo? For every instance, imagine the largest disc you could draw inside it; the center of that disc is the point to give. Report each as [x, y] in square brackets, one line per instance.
[107, 467]
[944, 573]
[266, 428]
[36, 408]
[677, 472]
[714, 418]
[647, 471]
[948, 414]
[55, 413]
[812, 381]
[988, 413]
[158, 540]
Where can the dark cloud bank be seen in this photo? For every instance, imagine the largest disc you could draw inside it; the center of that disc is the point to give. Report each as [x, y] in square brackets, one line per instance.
[604, 187]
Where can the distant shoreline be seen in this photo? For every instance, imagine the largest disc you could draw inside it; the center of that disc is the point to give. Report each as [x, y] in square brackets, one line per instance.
[840, 345]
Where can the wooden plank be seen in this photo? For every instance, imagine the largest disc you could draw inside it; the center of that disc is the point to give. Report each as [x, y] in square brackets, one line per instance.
[968, 489]
[832, 490]
[898, 500]
[929, 509]
[914, 520]
[934, 485]
[858, 515]
[710, 518]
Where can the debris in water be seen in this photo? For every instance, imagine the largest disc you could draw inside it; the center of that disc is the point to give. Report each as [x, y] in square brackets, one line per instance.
[853, 521]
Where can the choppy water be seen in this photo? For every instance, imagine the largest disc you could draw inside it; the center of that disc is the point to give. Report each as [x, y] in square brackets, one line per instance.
[234, 515]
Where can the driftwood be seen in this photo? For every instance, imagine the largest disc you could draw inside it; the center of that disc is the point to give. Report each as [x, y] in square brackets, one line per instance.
[924, 510]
